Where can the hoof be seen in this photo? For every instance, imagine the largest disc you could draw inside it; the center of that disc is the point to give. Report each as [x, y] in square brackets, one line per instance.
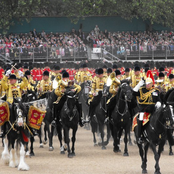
[116, 150]
[144, 171]
[103, 147]
[41, 145]
[44, 142]
[130, 144]
[32, 154]
[65, 147]
[51, 148]
[70, 155]
[73, 154]
[106, 143]
[170, 153]
[100, 144]
[62, 152]
[125, 154]
[95, 145]
[27, 154]
[157, 173]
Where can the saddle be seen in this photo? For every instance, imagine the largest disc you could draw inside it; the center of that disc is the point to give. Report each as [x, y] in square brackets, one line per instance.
[145, 120]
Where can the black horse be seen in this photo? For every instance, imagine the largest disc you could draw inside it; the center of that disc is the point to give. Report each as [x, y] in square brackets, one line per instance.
[83, 96]
[121, 117]
[154, 134]
[98, 120]
[50, 112]
[17, 129]
[69, 119]
[169, 99]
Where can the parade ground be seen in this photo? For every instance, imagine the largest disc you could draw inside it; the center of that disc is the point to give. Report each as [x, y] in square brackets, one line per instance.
[89, 159]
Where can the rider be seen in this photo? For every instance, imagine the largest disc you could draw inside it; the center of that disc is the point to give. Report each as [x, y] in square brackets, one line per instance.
[97, 85]
[60, 92]
[45, 85]
[115, 77]
[12, 90]
[148, 99]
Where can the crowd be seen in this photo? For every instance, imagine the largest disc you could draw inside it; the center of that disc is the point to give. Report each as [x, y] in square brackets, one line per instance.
[74, 43]
[54, 45]
[132, 42]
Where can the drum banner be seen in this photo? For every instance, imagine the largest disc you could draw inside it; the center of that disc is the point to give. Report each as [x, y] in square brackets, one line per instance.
[145, 119]
[4, 113]
[35, 117]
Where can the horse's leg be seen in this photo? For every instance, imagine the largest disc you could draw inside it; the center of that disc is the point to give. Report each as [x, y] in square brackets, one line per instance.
[108, 134]
[115, 142]
[45, 135]
[59, 133]
[101, 130]
[170, 150]
[26, 149]
[156, 157]
[73, 139]
[144, 162]
[49, 136]
[125, 142]
[31, 147]
[13, 161]
[94, 130]
[40, 137]
[67, 141]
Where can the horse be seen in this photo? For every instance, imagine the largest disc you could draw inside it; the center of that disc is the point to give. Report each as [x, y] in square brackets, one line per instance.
[83, 96]
[69, 119]
[17, 130]
[154, 134]
[98, 120]
[121, 117]
[169, 99]
[50, 111]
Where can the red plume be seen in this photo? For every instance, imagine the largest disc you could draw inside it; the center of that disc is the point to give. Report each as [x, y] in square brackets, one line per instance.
[149, 74]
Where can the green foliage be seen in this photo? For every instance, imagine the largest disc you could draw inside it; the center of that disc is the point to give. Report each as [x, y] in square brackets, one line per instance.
[152, 11]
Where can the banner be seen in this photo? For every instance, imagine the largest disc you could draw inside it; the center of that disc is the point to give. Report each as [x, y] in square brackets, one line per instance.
[96, 50]
[35, 117]
[4, 113]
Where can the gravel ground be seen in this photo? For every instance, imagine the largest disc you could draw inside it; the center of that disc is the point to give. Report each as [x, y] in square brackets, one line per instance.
[89, 159]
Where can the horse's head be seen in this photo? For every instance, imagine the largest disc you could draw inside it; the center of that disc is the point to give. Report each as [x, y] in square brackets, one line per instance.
[70, 102]
[167, 116]
[31, 95]
[126, 91]
[19, 112]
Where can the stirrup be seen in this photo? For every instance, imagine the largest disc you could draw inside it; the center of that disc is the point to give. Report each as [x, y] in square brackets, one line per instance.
[106, 120]
[2, 135]
[53, 123]
[140, 141]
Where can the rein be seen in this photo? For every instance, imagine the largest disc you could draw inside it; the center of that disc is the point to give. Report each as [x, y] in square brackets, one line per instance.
[126, 107]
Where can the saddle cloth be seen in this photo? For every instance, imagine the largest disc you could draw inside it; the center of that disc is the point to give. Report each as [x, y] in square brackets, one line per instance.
[145, 119]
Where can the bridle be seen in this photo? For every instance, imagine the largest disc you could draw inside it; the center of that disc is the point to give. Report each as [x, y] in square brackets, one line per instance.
[124, 100]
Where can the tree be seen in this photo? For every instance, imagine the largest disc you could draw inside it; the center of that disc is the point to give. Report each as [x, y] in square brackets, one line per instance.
[16, 9]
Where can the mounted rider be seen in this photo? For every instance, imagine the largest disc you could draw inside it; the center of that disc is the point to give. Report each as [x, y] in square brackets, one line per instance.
[148, 99]
[60, 92]
[12, 89]
[97, 85]
[115, 77]
[45, 85]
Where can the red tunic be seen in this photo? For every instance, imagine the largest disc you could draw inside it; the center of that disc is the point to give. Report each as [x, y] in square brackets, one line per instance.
[39, 74]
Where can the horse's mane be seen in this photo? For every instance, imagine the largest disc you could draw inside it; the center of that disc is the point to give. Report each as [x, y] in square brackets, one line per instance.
[168, 94]
[157, 114]
[118, 93]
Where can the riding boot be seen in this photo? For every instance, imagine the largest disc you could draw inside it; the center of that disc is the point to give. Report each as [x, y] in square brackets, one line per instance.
[79, 108]
[140, 124]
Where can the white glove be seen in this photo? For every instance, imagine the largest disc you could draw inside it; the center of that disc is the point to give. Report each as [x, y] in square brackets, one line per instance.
[20, 73]
[158, 105]
[138, 86]
[8, 72]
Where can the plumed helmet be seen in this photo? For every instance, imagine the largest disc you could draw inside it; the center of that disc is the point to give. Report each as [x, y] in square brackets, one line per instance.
[100, 71]
[46, 73]
[65, 75]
